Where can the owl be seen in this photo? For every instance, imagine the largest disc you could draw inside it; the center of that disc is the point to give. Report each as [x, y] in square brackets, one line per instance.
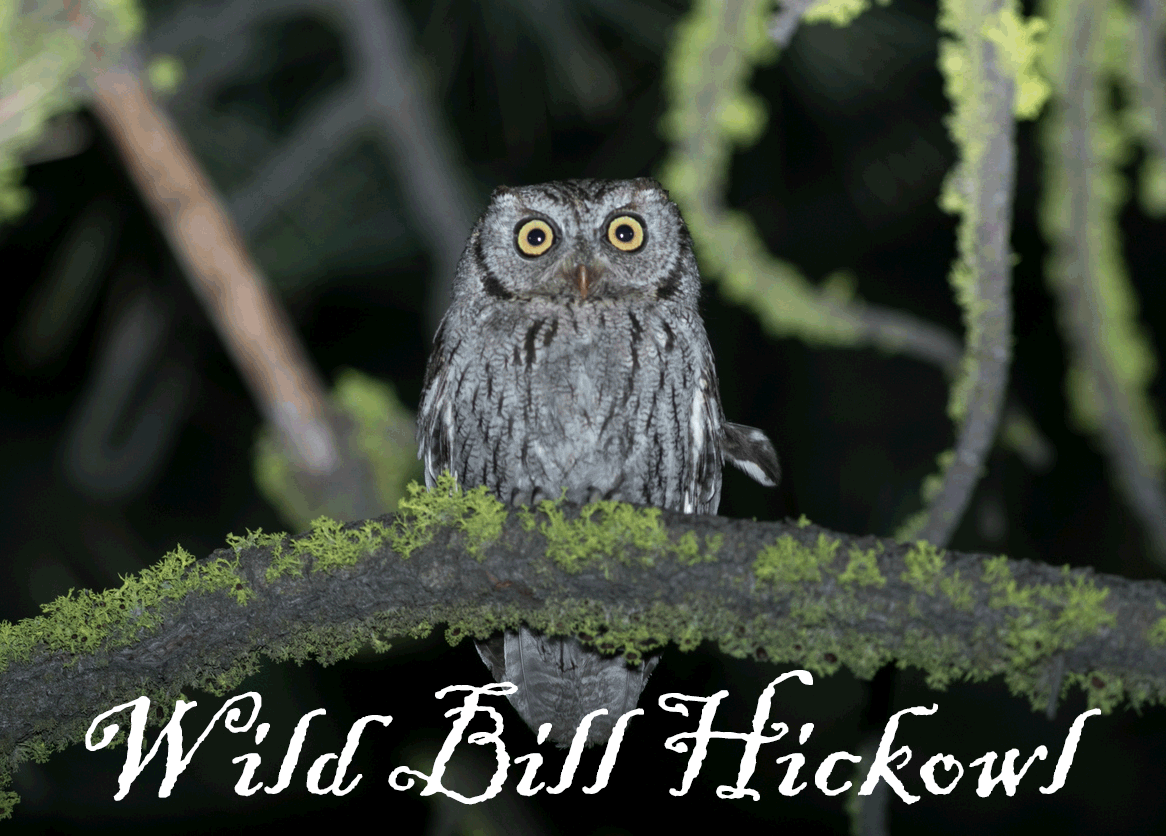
[573, 358]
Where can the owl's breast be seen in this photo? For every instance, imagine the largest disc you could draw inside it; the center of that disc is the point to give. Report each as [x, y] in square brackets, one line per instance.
[595, 399]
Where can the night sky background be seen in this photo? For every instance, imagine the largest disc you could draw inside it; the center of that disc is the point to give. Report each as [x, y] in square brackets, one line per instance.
[846, 177]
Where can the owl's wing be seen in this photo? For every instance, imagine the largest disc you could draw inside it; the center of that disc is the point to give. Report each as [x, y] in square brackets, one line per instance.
[435, 417]
[748, 448]
[702, 494]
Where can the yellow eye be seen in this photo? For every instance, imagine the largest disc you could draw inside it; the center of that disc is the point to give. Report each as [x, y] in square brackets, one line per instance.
[626, 233]
[534, 237]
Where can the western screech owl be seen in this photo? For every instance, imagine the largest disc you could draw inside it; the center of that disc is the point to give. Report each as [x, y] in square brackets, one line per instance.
[573, 357]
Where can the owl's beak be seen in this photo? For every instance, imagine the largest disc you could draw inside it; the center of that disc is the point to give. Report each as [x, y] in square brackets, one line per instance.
[583, 280]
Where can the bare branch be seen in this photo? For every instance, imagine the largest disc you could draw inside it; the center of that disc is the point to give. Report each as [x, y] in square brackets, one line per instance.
[207, 244]
[785, 21]
[388, 98]
[317, 139]
[411, 124]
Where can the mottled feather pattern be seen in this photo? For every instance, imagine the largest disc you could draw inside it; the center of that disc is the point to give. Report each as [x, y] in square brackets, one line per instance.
[583, 397]
[573, 358]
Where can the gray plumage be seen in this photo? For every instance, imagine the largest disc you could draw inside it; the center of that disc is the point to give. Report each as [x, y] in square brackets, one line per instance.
[573, 357]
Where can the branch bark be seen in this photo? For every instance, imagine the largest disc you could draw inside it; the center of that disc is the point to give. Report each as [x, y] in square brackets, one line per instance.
[782, 592]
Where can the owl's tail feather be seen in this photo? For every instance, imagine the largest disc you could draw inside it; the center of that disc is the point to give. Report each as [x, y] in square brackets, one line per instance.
[560, 682]
[749, 449]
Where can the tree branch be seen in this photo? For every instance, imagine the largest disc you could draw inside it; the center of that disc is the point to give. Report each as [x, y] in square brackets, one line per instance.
[388, 98]
[1111, 357]
[253, 326]
[712, 111]
[983, 127]
[631, 579]
[207, 245]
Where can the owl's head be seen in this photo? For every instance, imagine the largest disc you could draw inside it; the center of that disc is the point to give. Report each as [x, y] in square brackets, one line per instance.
[583, 241]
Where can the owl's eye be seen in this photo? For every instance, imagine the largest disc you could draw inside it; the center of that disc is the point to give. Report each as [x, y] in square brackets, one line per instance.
[534, 237]
[626, 232]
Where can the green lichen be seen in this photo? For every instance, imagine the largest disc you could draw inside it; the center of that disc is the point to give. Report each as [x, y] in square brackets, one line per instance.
[1082, 606]
[1045, 618]
[971, 86]
[863, 568]
[968, 91]
[1020, 434]
[255, 539]
[381, 437]
[282, 563]
[1005, 591]
[712, 549]
[79, 622]
[688, 551]
[913, 524]
[1102, 690]
[85, 622]
[960, 591]
[933, 484]
[614, 530]
[837, 12]
[621, 530]
[1156, 635]
[421, 513]
[787, 561]
[384, 433]
[1019, 43]
[333, 544]
[1142, 96]
[44, 55]
[924, 565]
[942, 658]
[329, 543]
[165, 74]
[711, 111]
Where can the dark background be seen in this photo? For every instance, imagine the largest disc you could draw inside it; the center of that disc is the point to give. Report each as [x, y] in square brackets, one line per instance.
[847, 177]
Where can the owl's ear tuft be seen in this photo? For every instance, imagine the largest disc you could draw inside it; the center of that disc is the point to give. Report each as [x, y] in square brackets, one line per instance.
[748, 448]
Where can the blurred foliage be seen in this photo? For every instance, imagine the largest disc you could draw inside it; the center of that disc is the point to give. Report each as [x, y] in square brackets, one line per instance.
[379, 433]
[49, 51]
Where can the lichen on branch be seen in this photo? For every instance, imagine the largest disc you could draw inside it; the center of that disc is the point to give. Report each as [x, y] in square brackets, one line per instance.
[630, 579]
